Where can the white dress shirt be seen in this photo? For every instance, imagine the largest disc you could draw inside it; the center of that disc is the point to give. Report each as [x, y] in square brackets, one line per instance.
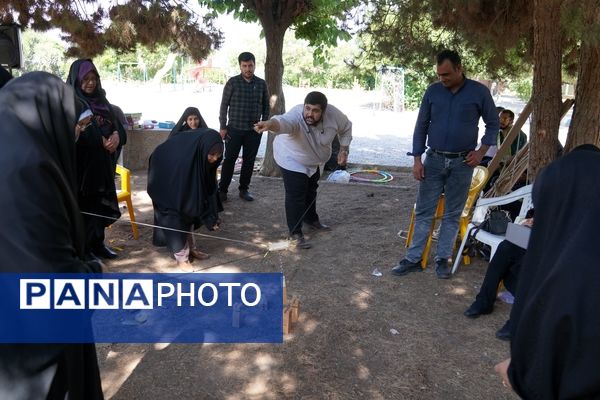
[300, 147]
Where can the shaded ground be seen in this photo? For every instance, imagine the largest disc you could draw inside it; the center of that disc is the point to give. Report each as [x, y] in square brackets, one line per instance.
[342, 347]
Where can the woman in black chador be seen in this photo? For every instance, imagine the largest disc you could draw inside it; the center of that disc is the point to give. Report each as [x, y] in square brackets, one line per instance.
[98, 149]
[555, 319]
[5, 76]
[41, 231]
[182, 182]
[189, 120]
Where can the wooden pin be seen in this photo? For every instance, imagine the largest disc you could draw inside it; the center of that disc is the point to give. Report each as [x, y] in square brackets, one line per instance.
[295, 305]
[287, 320]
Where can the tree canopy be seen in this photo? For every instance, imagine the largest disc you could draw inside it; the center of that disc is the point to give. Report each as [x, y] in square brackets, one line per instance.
[321, 22]
[502, 38]
[91, 26]
[494, 37]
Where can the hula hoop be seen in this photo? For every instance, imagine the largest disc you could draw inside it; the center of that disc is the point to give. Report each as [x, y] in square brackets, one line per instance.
[385, 176]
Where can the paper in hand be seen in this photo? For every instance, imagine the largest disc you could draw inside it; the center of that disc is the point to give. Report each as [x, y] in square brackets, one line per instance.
[86, 114]
[85, 118]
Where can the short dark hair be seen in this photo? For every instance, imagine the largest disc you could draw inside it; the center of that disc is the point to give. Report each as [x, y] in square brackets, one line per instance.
[449, 55]
[246, 56]
[509, 112]
[315, 98]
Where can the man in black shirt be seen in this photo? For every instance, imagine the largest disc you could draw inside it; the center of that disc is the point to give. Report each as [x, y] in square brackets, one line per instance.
[245, 102]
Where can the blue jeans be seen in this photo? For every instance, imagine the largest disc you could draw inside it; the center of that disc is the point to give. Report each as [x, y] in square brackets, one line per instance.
[452, 177]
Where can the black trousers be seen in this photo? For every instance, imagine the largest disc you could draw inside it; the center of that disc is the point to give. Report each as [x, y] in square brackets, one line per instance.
[331, 164]
[94, 232]
[249, 140]
[300, 198]
[505, 265]
[104, 204]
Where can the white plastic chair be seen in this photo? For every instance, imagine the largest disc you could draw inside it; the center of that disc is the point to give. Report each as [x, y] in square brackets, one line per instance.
[479, 214]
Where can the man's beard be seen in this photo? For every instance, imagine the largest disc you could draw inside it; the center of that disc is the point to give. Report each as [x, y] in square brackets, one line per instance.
[314, 122]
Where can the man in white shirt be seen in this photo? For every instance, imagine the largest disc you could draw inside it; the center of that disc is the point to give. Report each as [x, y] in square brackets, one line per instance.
[302, 145]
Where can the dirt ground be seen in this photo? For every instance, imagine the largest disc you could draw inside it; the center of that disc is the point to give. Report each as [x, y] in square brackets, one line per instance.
[343, 346]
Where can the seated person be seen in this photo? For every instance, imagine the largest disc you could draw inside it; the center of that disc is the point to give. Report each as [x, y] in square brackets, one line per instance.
[182, 182]
[507, 118]
[489, 155]
[504, 266]
[555, 321]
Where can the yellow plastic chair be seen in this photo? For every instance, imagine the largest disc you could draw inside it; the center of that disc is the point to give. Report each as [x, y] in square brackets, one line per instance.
[480, 175]
[125, 195]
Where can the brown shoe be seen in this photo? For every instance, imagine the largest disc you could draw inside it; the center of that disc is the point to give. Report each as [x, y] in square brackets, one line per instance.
[198, 255]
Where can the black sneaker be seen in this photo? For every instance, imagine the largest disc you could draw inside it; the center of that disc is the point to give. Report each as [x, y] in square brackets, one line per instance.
[405, 266]
[104, 252]
[476, 309]
[222, 196]
[245, 195]
[442, 269]
[504, 332]
[298, 240]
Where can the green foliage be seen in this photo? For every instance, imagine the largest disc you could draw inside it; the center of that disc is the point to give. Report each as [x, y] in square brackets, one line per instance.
[236, 7]
[42, 53]
[325, 25]
[332, 70]
[321, 22]
[415, 84]
[494, 37]
[139, 65]
[215, 75]
[410, 33]
[523, 86]
[107, 64]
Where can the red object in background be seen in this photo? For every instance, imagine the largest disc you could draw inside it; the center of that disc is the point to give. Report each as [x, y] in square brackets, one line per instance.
[198, 71]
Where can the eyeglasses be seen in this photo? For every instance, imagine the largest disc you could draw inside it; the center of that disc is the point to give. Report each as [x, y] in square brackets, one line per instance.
[92, 79]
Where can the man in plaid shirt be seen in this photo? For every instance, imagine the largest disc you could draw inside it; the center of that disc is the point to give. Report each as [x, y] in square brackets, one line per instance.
[245, 102]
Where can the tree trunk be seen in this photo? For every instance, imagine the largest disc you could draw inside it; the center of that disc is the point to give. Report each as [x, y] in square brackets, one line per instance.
[546, 95]
[274, 36]
[165, 68]
[585, 124]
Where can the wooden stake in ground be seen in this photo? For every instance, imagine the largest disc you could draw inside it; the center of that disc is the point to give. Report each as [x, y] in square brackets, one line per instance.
[295, 305]
[287, 319]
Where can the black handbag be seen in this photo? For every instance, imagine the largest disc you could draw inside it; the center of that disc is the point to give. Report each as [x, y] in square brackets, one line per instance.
[496, 222]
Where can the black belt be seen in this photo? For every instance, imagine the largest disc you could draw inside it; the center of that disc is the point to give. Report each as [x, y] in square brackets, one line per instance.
[449, 154]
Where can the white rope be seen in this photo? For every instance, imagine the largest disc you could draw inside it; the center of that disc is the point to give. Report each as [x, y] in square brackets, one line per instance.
[269, 247]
